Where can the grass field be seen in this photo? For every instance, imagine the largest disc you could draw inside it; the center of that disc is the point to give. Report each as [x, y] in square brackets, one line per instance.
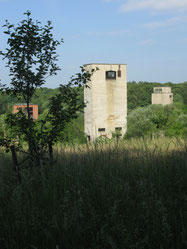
[126, 195]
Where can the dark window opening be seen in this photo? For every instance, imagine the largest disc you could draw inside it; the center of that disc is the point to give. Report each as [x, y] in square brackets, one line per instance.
[170, 96]
[101, 129]
[88, 138]
[110, 75]
[118, 131]
[118, 128]
[158, 90]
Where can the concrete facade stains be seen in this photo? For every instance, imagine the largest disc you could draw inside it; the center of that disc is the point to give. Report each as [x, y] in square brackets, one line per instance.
[106, 101]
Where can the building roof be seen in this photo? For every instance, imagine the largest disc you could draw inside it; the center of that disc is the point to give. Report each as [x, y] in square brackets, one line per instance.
[25, 104]
[104, 64]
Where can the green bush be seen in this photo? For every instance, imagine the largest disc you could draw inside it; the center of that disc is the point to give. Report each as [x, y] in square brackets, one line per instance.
[170, 120]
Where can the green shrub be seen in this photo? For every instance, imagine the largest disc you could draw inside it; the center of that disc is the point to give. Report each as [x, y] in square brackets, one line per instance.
[169, 120]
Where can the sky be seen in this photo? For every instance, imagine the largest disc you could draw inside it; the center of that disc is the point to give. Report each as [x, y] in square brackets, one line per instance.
[150, 36]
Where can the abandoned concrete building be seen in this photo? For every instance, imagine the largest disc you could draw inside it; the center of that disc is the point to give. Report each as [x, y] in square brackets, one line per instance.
[162, 95]
[33, 109]
[106, 101]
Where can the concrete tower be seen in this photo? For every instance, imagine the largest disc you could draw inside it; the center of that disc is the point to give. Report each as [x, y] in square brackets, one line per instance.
[162, 95]
[106, 101]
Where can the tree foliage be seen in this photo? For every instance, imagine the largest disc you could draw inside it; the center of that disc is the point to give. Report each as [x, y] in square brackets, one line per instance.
[139, 94]
[31, 57]
[169, 120]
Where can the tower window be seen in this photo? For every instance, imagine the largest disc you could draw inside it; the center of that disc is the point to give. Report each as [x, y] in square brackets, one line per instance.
[158, 90]
[101, 129]
[170, 96]
[110, 75]
[118, 128]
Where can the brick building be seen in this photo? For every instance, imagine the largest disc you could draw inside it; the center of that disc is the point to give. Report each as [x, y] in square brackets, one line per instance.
[32, 108]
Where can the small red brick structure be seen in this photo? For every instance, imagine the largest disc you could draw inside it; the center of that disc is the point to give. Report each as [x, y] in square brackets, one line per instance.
[32, 108]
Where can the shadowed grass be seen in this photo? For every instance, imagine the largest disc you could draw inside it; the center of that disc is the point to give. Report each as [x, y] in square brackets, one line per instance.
[131, 194]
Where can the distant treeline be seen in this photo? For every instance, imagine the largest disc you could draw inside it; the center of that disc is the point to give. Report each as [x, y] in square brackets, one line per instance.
[139, 95]
[41, 98]
[143, 118]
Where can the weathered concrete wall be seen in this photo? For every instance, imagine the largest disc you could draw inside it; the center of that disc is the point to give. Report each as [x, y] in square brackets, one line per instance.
[162, 95]
[106, 101]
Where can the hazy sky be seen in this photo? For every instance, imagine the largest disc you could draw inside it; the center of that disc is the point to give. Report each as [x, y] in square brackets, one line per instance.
[150, 36]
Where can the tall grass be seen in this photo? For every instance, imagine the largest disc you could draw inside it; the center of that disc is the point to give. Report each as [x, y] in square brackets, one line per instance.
[124, 195]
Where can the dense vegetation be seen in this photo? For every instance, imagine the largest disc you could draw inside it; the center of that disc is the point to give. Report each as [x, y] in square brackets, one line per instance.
[129, 195]
[169, 121]
[139, 95]
[31, 57]
[158, 120]
[145, 119]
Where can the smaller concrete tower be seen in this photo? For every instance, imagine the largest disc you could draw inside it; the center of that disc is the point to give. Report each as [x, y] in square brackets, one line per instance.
[162, 95]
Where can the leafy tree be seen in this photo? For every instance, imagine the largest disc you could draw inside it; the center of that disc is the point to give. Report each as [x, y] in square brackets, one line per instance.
[178, 98]
[139, 94]
[170, 120]
[31, 57]
[74, 131]
[2, 126]
[64, 106]
[139, 123]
